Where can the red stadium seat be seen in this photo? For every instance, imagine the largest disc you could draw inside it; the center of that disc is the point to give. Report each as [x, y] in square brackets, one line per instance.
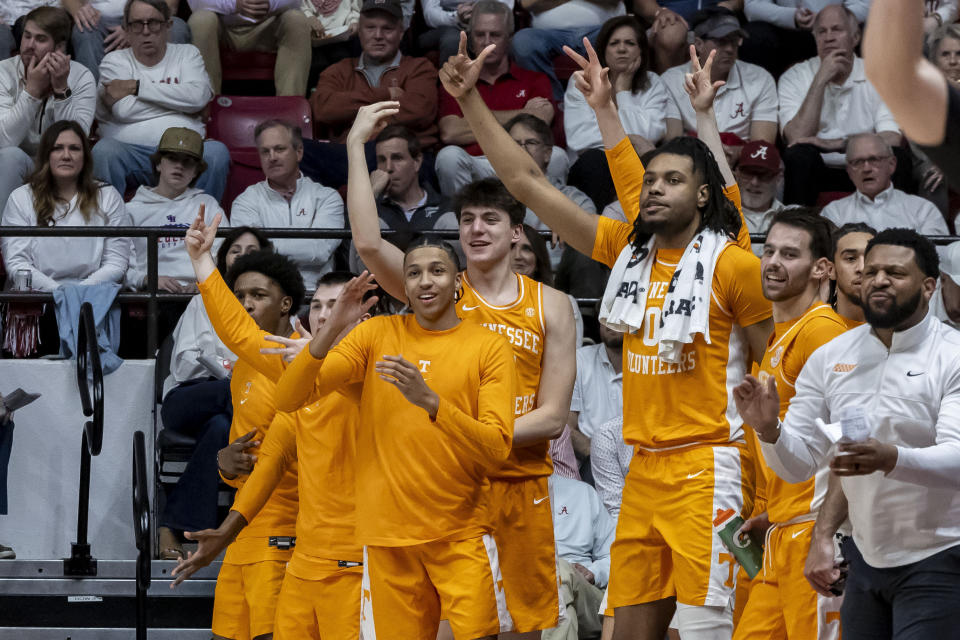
[237, 66]
[232, 120]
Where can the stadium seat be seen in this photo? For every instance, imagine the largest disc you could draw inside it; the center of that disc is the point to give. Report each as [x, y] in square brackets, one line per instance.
[240, 66]
[232, 120]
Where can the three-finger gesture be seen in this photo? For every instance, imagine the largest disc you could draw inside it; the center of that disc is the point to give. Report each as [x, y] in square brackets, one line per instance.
[592, 80]
[289, 348]
[699, 85]
[407, 378]
[459, 74]
[349, 309]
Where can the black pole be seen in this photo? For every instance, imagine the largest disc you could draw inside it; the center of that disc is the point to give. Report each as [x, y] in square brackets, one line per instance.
[83, 506]
[152, 306]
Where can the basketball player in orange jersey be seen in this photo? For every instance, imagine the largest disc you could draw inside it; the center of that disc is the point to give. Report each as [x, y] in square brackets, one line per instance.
[269, 289]
[538, 322]
[436, 416]
[850, 243]
[794, 264]
[321, 591]
[690, 302]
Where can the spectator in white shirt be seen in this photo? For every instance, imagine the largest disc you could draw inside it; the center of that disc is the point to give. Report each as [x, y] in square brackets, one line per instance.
[897, 377]
[758, 172]
[610, 461]
[746, 104]
[10, 12]
[555, 25]
[641, 99]
[781, 30]
[98, 29]
[287, 198]
[583, 531]
[255, 25]
[597, 393]
[62, 191]
[174, 202]
[945, 303]
[146, 89]
[870, 165]
[37, 88]
[824, 101]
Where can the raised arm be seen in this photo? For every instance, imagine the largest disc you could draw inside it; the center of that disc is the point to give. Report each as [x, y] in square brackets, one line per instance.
[559, 369]
[238, 331]
[909, 84]
[594, 83]
[518, 171]
[702, 93]
[382, 258]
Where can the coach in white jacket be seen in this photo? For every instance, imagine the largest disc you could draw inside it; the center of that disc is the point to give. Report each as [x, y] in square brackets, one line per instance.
[38, 87]
[900, 372]
[146, 89]
[287, 198]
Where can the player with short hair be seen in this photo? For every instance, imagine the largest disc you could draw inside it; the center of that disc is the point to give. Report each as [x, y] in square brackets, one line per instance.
[794, 263]
[436, 416]
[321, 591]
[538, 322]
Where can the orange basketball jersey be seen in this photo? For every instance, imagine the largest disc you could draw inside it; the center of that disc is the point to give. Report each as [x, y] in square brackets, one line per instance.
[521, 323]
[792, 342]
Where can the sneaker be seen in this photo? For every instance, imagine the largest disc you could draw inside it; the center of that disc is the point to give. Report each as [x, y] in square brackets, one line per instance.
[6, 553]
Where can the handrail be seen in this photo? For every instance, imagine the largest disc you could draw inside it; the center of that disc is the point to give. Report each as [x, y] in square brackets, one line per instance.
[90, 374]
[141, 530]
[152, 297]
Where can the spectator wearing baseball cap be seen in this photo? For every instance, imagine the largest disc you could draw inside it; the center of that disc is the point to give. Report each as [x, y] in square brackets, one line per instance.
[746, 104]
[945, 303]
[380, 73]
[758, 172]
[174, 202]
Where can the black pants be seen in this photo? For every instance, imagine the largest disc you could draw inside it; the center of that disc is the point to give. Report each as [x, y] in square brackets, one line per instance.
[806, 175]
[774, 48]
[591, 174]
[919, 601]
[201, 408]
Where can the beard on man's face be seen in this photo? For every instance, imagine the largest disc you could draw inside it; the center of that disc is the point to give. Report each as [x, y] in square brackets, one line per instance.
[893, 316]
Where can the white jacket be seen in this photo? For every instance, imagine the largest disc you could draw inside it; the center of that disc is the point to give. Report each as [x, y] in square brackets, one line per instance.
[582, 527]
[58, 261]
[314, 206]
[24, 118]
[642, 113]
[911, 395]
[172, 94]
[193, 337]
[781, 12]
[150, 209]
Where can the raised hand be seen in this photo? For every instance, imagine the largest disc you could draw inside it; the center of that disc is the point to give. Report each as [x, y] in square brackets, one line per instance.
[349, 308]
[38, 77]
[234, 460]
[200, 236]
[699, 86]
[371, 120]
[459, 74]
[291, 347]
[758, 404]
[407, 378]
[593, 79]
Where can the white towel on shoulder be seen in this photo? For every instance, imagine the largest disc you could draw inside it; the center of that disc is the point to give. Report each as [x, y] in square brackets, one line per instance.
[686, 308]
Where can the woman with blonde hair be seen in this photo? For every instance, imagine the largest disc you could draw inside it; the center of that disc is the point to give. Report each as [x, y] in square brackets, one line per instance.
[62, 191]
